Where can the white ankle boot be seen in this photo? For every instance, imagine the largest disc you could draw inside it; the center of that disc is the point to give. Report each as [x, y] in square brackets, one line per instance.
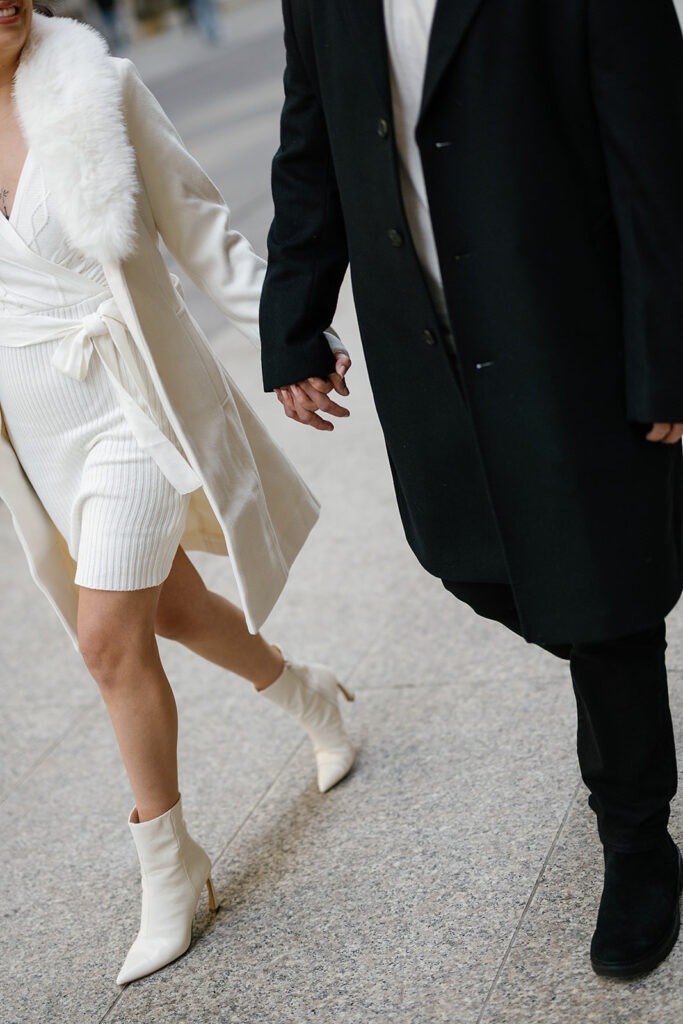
[175, 869]
[310, 694]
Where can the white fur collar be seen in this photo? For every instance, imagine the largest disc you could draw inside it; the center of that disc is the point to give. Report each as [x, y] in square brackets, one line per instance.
[68, 97]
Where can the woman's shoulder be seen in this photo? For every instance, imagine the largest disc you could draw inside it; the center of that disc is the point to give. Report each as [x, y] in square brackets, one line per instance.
[134, 90]
[136, 99]
[125, 70]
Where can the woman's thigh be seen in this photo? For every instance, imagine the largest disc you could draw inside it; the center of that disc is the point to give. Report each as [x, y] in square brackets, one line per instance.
[182, 599]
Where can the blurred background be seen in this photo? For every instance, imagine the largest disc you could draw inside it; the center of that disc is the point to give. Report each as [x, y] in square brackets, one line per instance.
[124, 20]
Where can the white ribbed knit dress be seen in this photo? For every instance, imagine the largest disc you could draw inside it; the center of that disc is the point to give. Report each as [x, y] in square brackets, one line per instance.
[121, 517]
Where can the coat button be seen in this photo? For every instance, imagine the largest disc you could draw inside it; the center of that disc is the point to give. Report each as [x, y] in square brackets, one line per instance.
[382, 128]
[428, 338]
[395, 237]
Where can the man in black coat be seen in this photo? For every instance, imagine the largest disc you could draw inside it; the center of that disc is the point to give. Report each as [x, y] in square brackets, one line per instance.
[505, 178]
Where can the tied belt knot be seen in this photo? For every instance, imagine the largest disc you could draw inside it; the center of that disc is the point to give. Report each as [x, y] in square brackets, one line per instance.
[105, 331]
[74, 352]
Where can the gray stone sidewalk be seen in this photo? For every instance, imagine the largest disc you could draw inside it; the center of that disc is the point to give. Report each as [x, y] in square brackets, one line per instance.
[453, 878]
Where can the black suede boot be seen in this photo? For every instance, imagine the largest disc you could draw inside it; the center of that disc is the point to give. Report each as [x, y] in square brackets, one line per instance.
[639, 916]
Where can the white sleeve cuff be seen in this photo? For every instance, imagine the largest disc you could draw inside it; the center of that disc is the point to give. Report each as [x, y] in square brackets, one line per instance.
[337, 346]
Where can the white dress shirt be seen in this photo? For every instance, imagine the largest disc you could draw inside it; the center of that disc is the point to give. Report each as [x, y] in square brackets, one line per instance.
[408, 28]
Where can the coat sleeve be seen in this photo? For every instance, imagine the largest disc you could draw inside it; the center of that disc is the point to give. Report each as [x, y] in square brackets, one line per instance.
[189, 212]
[636, 54]
[307, 253]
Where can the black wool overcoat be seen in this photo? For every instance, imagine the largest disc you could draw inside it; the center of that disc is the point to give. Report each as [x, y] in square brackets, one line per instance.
[551, 137]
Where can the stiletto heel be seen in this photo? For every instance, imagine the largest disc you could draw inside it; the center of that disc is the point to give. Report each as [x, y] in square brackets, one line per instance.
[346, 693]
[213, 906]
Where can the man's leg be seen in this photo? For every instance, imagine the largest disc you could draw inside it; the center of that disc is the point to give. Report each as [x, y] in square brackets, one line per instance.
[628, 761]
[625, 736]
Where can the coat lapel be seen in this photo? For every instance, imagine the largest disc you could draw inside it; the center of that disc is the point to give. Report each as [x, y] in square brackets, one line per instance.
[366, 18]
[70, 105]
[452, 18]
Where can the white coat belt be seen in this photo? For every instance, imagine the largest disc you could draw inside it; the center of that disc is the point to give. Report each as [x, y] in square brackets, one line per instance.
[104, 331]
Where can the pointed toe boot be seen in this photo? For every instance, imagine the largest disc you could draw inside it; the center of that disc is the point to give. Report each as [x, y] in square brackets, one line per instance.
[310, 694]
[174, 870]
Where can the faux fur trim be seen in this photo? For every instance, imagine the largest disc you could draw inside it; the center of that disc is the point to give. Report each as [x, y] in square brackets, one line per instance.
[69, 101]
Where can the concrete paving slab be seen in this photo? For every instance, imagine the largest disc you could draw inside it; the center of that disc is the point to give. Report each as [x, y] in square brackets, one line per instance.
[70, 885]
[392, 898]
[62, 890]
[45, 688]
[29, 734]
[547, 975]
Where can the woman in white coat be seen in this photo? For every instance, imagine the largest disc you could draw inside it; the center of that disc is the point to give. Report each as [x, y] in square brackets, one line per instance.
[124, 442]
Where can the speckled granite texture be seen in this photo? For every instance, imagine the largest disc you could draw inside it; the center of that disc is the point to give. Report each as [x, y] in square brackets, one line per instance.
[453, 878]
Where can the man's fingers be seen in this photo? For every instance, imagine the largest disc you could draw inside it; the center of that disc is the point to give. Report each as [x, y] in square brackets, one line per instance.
[311, 419]
[321, 401]
[305, 401]
[342, 367]
[659, 431]
[339, 384]
[302, 402]
[343, 364]
[335, 380]
[675, 434]
[666, 433]
[305, 410]
[320, 384]
[288, 402]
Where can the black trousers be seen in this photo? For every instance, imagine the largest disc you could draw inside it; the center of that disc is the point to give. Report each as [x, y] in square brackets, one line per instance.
[625, 735]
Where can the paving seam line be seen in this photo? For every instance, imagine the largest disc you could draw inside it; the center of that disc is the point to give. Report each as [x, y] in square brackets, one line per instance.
[112, 1006]
[434, 684]
[260, 800]
[232, 838]
[73, 724]
[532, 895]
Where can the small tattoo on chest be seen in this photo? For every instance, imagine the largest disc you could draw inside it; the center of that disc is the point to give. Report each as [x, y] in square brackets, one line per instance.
[4, 196]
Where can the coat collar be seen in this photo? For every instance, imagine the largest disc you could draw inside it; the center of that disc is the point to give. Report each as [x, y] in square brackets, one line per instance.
[451, 22]
[69, 102]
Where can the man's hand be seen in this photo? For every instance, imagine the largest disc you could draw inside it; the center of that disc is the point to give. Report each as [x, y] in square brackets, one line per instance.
[304, 401]
[667, 433]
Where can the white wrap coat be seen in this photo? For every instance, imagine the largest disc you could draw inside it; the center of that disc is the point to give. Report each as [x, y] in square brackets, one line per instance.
[121, 179]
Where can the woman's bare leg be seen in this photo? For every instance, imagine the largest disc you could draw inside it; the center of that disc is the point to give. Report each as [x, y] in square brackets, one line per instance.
[215, 629]
[212, 627]
[119, 647]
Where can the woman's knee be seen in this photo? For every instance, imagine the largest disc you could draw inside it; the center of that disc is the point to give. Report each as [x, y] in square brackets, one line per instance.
[101, 650]
[111, 644]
